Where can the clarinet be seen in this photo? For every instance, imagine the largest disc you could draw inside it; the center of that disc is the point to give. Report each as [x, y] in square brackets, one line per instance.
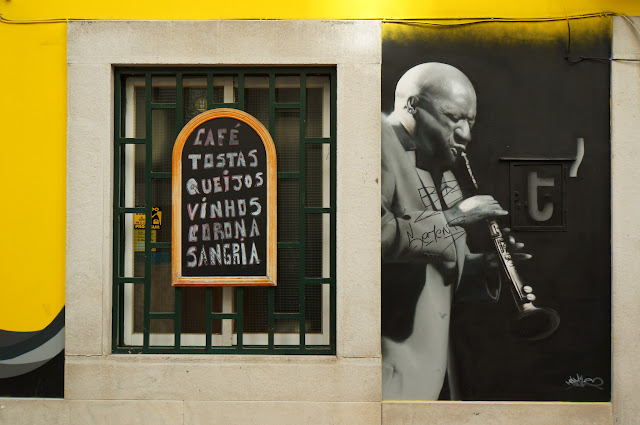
[531, 322]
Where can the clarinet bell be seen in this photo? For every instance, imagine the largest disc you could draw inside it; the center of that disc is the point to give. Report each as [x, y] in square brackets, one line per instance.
[534, 323]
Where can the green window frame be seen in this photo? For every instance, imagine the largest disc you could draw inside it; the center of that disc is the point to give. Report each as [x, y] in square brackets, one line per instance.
[298, 107]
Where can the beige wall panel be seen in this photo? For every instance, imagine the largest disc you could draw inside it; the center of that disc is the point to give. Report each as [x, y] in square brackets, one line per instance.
[625, 119]
[224, 378]
[471, 413]
[90, 412]
[87, 246]
[16, 411]
[280, 413]
[223, 42]
[358, 200]
[130, 412]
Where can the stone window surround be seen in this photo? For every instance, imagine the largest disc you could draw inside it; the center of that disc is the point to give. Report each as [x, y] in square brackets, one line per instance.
[353, 375]
[94, 49]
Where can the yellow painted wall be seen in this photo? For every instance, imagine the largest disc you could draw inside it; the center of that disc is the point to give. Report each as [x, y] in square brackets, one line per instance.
[33, 113]
[32, 174]
[312, 9]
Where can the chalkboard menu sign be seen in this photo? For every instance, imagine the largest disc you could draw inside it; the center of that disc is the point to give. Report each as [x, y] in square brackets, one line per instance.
[224, 202]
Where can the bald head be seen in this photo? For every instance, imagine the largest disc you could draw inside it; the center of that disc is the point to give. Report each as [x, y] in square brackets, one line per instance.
[436, 104]
[431, 79]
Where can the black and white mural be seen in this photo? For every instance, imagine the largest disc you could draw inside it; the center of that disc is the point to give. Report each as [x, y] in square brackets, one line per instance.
[496, 265]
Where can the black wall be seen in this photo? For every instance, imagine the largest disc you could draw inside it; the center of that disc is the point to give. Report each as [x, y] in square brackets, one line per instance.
[532, 102]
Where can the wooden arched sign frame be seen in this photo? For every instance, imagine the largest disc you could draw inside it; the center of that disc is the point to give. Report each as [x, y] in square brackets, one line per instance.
[237, 261]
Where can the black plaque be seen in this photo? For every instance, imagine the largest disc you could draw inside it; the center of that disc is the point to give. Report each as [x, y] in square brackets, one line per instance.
[224, 201]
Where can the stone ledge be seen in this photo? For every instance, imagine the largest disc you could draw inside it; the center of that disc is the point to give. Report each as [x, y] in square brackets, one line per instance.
[92, 412]
[281, 413]
[223, 378]
[496, 413]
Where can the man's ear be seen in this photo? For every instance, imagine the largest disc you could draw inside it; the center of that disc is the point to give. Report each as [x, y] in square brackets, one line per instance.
[412, 104]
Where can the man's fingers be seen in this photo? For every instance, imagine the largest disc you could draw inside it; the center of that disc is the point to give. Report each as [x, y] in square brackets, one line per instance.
[493, 212]
[497, 210]
[512, 241]
[519, 256]
[483, 197]
[492, 260]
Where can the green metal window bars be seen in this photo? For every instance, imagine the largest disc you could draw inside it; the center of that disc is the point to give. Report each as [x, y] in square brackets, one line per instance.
[298, 107]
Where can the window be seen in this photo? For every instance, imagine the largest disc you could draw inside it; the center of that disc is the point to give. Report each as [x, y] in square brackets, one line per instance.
[297, 106]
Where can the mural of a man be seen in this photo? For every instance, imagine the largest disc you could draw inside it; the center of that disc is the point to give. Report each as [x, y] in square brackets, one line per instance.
[426, 261]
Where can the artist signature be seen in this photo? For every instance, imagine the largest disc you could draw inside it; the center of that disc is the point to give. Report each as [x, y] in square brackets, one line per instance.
[427, 193]
[580, 382]
[433, 236]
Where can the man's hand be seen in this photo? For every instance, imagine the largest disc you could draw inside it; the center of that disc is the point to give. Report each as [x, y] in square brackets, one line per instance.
[473, 210]
[514, 248]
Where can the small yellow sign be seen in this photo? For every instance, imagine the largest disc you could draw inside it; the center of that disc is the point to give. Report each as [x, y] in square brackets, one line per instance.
[156, 218]
[139, 220]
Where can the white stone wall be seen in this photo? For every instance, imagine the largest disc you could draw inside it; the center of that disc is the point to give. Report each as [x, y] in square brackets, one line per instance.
[235, 389]
[344, 389]
[625, 205]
